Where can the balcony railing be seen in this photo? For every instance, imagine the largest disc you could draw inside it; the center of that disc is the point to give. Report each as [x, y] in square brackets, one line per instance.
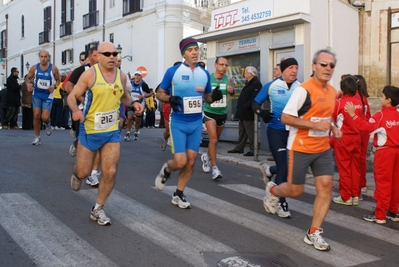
[130, 7]
[90, 19]
[207, 4]
[44, 37]
[66, 29]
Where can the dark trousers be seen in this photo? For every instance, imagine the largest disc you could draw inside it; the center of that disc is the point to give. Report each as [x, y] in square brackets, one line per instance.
[278, 146]
[150, 118]
[246, 131]
[56, 112]
[27, 118]
[11, 117]
[3, 112]
[65, 116]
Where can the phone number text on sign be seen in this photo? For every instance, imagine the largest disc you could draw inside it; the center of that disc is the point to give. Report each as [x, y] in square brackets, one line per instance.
[255, 16]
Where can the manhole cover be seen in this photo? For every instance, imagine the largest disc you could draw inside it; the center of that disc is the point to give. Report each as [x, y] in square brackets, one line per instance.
[248, 260]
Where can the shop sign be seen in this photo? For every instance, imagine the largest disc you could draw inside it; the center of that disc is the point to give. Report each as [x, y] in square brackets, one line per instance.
[237, 45]
[241, 13]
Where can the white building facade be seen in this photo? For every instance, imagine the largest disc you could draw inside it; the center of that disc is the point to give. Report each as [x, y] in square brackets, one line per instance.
[148, 31]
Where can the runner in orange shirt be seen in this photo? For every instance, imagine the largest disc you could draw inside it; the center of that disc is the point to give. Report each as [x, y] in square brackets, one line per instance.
[308, 113]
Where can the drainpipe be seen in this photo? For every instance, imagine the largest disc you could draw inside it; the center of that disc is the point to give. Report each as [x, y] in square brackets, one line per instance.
[104, 20]
[389, 47]
[6, 46]
[54, 19]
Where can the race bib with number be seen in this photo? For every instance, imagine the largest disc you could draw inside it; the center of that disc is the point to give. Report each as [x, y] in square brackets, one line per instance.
[43, 84]
[105, 120]
[135, 96]
[220, 103]
[314, 133]
[192, 104]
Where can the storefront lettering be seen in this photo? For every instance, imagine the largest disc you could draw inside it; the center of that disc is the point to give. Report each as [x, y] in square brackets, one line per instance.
[247, 43]
[227, 18]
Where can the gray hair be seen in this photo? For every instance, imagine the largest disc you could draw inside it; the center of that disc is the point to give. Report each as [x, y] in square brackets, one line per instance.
[324, 50]
[252, 70]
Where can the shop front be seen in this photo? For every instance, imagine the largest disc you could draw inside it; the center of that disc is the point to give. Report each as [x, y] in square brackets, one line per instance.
[260, 33]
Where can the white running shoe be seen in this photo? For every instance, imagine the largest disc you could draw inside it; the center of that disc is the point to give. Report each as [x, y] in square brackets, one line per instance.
[216, 174]
[282, 210]
[92, 180]
[72, 150]
[267, 175]
[162, 177]
[99, 216]
[75, 183]
[136, 137]
[49, 129]
[127, 137]
[355, 201]
[59, 128]
[339, 200]
[164, 144]
[206, 163]
[180, 201]
[316, 240]
[270, 201]
[36, 141]
[72, 133]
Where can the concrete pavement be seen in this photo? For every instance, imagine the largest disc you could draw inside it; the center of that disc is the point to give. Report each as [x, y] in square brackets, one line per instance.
[240, 159]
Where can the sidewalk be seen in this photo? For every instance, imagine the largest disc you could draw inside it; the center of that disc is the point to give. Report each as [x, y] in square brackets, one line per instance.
[240, 159]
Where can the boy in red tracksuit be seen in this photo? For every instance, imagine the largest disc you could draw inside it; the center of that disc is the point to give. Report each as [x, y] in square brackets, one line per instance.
[347, 148]
[385, 125]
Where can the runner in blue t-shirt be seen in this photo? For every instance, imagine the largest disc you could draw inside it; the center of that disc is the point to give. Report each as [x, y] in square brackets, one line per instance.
[46, 78]
[185, 86]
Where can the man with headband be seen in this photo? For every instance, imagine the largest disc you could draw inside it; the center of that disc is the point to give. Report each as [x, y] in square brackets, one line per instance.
[277, 93]
[185, 86]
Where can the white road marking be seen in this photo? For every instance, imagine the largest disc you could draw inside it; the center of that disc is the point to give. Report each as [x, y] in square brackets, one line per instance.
[173, 236]
[44, 238]
[339, 255]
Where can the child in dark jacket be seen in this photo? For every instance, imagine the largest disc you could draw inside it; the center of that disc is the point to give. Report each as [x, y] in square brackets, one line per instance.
[385, 127]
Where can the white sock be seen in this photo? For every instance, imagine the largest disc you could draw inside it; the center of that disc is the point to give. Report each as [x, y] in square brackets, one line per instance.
[97, 206]
[94, 172]
[214, 167]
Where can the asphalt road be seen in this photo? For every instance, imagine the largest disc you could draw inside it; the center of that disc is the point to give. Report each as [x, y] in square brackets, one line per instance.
[44, 223]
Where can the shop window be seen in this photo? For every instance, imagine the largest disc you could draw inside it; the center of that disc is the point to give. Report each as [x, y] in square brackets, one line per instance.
[235, 70]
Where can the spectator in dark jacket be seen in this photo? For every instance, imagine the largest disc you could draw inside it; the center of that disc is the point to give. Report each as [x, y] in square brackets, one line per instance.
[13, 100]
[3, 105]
[244, 112]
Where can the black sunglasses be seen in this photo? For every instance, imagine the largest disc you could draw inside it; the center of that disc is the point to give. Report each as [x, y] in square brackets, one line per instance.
[325, 64]
[108, 54]
[82, 59]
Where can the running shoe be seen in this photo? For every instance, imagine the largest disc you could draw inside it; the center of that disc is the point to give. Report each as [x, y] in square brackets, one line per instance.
[216, 174]
[340, 201]
[355, 201]
[164, 144]
[206, 163]
[59, 128]
[36, 141]
[371, 218]
[316, 240]
[99, 216]
[267, 175]
[75, 183]
[270, 201]
[49, 130]
[72, 150]
[162, 177]
[282, 210]
[72, 133]
[392, 216]
[180, 201]
[127, 137]
[363, 190]
[92, 180]
[136, 137]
